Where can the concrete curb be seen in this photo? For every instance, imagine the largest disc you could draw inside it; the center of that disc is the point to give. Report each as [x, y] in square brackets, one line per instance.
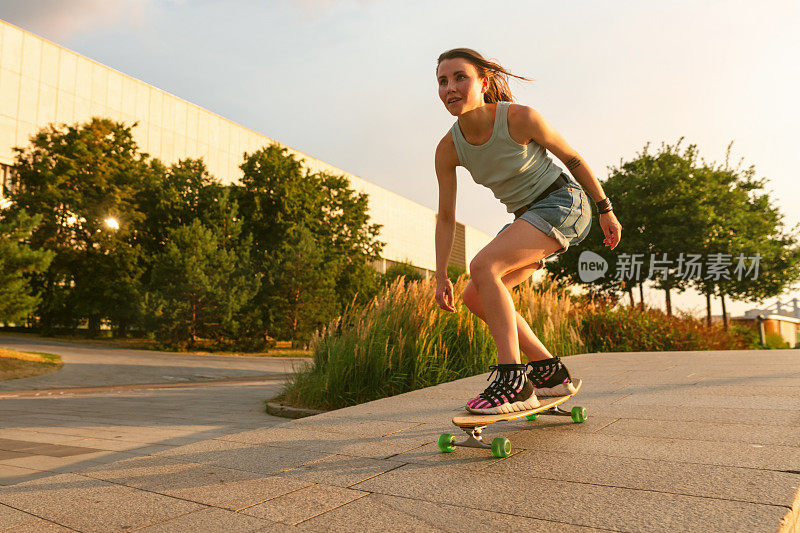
[791, 522]
[286, 411]
[25, 393]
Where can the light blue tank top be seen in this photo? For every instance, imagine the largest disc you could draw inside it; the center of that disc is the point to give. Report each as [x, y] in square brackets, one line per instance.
[516, 174]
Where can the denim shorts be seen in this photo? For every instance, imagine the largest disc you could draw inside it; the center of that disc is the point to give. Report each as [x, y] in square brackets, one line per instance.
[565, 215]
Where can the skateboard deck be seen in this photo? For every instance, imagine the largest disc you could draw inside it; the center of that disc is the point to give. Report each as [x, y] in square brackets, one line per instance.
[473, 424]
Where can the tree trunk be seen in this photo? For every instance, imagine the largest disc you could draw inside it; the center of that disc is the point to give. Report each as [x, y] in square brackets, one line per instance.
[193, 327]
[641, 294]
[94, 326]
[630, 295]
[669, 302]
[708, 307]
[724, 314]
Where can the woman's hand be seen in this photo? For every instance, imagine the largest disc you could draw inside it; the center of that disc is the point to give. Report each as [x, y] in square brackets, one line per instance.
[611, 229]
[444, 294]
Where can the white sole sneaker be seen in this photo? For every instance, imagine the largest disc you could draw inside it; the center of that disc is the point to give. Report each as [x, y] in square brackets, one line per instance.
[562, 389]
[530, 403]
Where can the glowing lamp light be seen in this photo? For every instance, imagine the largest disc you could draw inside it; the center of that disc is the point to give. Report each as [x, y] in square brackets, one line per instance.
[111, 223]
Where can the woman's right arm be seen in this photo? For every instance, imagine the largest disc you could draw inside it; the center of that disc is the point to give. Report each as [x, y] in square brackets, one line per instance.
[445, 164]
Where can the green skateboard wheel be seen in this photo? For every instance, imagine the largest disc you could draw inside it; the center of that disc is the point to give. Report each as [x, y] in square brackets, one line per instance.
[578, 414]
[534, 416]
[501, 447]
[446, 441]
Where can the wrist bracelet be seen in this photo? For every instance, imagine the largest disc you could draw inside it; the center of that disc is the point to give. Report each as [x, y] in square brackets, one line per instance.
[604, 206]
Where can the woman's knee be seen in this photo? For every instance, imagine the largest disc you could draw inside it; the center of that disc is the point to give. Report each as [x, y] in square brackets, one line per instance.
[471, 298]
[481, 269]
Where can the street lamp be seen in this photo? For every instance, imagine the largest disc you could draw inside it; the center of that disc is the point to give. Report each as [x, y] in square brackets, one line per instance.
[111, 223]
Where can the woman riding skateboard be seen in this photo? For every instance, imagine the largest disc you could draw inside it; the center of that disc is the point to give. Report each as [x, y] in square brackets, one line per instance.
[503, 146]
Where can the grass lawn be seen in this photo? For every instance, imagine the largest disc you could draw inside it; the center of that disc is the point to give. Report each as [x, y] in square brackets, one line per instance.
[14, 364]
[147, 344]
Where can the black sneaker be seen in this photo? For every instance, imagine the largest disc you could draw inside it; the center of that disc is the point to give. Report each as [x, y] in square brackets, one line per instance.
[550, 377]
[510, 392]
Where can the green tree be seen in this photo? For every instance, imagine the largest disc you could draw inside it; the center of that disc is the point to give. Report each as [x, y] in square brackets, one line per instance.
[282, 204]
[301, 295]
[672, 205]
[177, 195]
[747, 231]
[403, 270]
[657, 205]
[84, 181]
[201, 281]
[17, 260]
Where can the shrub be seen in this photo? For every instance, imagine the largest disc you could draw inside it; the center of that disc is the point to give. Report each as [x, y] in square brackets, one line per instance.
[404, 271]
[775, 342]
[633, 329]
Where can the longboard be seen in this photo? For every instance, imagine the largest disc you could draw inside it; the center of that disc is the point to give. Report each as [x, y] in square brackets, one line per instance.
[473, 424]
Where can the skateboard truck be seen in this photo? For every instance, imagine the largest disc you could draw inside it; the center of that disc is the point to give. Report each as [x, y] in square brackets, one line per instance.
[557, 410]
[475, 439]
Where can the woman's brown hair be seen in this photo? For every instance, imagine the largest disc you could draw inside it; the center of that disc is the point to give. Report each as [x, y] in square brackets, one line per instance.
[498, 90]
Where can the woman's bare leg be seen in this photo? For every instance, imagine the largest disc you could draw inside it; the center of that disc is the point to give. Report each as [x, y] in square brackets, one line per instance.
[519, 245]
[529, 343]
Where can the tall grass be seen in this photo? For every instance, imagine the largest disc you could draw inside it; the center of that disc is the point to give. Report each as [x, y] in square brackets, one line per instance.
[553, 314]
[403, 341]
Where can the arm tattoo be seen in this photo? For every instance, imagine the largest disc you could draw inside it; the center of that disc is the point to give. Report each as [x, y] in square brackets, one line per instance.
[573, 163]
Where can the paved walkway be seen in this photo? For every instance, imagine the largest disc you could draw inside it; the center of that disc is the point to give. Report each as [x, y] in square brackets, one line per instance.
[681, 441]
[94, 366]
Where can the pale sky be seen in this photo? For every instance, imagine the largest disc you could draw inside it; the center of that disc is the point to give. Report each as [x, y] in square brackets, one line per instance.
[353, 82]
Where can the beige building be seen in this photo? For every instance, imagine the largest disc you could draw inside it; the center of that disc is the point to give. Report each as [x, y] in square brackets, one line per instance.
[43, 83]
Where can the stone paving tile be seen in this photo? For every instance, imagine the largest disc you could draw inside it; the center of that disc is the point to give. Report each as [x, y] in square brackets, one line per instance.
[380, 513]
[50, 450]
[5, 455]
[353, 428]
[38, 526]
[9, 475]
[416, 408]
[708, 431]
[711, 402]
[10, 517]
[100, 503]
[725, 482]
[236, 495]
[119, 445]
[751, 417]
[209, 485]
[210, 521]
[339, 470]
[293, 435]
[575, 503]
[34, 435]
[64, 464]
[310, 438]
[572, 439]
[239, 456]
[303, 504]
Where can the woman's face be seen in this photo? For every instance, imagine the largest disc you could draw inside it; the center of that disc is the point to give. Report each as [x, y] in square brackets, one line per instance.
[460, 87]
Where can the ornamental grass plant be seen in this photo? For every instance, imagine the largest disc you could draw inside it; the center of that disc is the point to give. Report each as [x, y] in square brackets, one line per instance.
[402, 341]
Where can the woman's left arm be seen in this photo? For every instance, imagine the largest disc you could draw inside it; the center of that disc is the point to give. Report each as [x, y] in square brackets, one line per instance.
[541, 131]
